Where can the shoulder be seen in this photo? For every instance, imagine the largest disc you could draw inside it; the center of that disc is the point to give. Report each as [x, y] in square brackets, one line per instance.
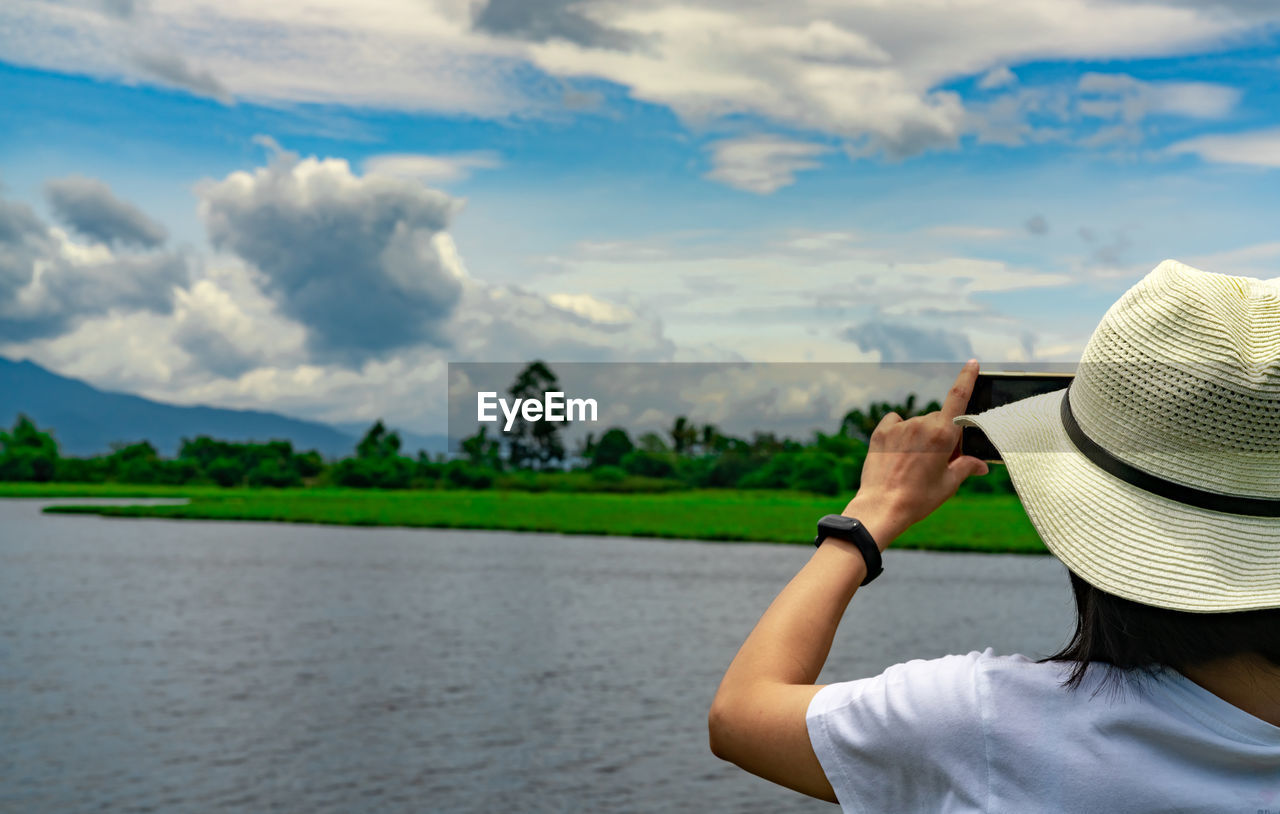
[939, 679]
[904, 739]
[959, 694]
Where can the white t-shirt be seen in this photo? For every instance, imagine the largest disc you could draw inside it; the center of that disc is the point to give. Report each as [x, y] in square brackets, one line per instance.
[982, 732]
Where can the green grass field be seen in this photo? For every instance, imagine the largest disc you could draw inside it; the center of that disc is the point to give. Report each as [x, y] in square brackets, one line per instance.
[992, 523]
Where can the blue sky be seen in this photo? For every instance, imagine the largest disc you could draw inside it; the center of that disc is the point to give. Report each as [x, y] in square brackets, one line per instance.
[313, 207]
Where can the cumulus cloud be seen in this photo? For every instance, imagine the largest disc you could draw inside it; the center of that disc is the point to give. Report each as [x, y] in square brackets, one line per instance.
[89, 207]
[898, 342]
[365, 264]
[227, 327]
[49, 284]
[762, 164]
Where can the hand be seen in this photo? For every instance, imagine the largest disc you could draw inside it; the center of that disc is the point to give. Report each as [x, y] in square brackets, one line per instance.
[914, 466]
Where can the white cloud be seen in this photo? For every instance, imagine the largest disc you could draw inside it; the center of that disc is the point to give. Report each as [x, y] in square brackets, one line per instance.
[1125, 98]
[1259, 260]
[1258, 148]
[968, 232]
[997, 78]
[403, 54]
[335, 311]
[364, 262]
[762, 164]
[879, 89]
[865, 72]
[1095, 110]
[440, 169]
[787, 299]
[596, 310]
[49, 283]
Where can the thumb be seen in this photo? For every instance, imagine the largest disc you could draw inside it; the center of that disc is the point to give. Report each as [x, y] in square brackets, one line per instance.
[967, 465]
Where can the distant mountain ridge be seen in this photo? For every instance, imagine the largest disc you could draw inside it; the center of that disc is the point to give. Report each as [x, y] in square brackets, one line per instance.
[87, 421]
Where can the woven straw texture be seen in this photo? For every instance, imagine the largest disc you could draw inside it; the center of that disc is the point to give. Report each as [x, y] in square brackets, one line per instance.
[1181, 379]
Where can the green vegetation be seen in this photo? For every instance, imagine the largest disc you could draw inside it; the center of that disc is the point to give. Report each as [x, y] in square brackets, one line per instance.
[691, 482]
[992, 523]
[530, 457]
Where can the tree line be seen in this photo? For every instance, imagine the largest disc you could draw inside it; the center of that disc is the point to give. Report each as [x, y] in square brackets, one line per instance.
[532, 456]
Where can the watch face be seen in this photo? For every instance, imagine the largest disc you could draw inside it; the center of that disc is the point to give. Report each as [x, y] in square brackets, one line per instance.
[838, 521]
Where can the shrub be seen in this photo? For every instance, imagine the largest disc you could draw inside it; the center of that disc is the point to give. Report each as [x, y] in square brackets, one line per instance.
[728, 470]
[816, 472]
[463, 475]
[271, 472]
[648, 464]
[775, 474]
[850, 473]
[609, 475]
[225, 471]
[80, 470]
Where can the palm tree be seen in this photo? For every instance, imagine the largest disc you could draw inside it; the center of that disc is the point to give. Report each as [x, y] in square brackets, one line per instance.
[683, 435]
[860, 424]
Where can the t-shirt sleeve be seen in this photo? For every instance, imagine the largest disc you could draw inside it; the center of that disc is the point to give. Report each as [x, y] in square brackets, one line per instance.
[909, 739]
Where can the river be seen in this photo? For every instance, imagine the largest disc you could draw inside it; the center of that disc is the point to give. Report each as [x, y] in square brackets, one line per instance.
[180, 666]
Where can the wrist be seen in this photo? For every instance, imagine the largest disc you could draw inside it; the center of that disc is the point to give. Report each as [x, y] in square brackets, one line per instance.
[880, 518]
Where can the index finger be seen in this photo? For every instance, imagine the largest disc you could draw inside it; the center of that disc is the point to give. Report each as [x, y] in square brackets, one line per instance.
[958, 396]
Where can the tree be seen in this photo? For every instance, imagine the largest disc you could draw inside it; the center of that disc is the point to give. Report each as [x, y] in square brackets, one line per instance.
[649, 464]
[613, 447]
[378, 442]
[377, 463]
[26, 453]
[586, 448]
[534, 443]
[652, 442]
[134, 463]
[860, 424]
[683, 436]
[225, 470]
[481, 450]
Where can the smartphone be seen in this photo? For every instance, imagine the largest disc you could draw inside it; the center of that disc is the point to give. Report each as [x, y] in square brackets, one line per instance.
[1001, 387]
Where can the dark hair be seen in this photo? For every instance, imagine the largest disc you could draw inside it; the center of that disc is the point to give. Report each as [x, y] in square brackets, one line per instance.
[1139, 637]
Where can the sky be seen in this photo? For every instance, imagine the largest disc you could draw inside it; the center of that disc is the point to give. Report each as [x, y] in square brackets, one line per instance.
[313, 207]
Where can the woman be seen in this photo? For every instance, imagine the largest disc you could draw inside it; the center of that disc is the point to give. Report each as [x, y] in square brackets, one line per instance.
[1155, 478]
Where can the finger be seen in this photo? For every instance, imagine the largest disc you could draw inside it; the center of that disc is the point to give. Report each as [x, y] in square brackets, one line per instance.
[889, 419]
[878, 434]
[964, 467]
[958, 396]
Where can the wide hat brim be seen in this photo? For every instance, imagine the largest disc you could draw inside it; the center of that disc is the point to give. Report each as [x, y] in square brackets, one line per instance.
[1125, 540]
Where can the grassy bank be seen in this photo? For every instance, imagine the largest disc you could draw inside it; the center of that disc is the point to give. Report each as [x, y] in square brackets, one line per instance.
[994, 523]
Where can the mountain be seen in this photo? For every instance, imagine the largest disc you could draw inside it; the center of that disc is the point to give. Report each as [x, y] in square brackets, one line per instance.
[86, 420]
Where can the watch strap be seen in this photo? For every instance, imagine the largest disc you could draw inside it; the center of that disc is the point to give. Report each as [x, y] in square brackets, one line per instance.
[859, 536]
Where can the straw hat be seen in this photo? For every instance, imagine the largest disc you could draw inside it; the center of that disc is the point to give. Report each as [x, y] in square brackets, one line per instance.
[1156, 475]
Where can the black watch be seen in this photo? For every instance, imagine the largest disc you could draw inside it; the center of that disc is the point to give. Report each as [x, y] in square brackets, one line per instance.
[846, 528]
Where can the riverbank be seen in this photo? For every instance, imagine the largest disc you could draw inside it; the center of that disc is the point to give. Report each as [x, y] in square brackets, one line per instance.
[988, 523]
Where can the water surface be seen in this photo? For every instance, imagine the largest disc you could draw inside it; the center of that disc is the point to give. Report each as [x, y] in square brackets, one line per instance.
[185, 666]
